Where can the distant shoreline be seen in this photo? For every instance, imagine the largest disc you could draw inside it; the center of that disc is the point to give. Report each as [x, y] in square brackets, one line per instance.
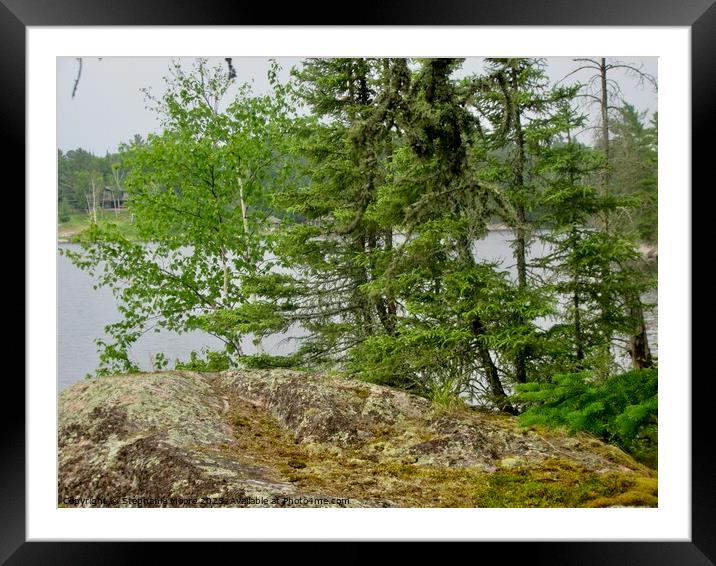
[648, 251]
[497, 227]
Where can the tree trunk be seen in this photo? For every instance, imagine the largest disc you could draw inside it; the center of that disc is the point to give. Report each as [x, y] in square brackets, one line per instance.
[604, 107]
[577, 328]
[638, 343]
[578, 342]
[391, 307]
[365, 306]
[521, 253]
[89, 206]
[385, 304]
[244, 218]
[116, 196]
[520, 231]
[488, 365]
[483, 352]
[92, 201]
[225, 268]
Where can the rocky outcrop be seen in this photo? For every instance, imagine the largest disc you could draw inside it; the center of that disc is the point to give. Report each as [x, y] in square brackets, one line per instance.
[650, 252]
[286, 438]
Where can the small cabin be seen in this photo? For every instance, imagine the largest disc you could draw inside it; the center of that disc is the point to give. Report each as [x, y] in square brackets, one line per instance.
[113, 198]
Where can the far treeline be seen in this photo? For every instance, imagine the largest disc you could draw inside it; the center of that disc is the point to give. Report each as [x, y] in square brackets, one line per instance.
[353, 201]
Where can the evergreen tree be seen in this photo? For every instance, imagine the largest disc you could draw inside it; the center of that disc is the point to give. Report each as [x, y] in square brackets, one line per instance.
[605, 96]
[445, 323]
[521, 112]
[338, 248]
[593, 270]
[386, 187]
[634, 152]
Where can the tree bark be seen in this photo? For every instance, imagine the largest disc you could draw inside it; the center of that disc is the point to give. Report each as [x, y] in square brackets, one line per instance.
[92, 201]
[225, 267]
[391, 307]
[577, 328]
[520, 231]
[604, 107]
[483, 352]
[244, 217]
[638, 343]
[488, 365]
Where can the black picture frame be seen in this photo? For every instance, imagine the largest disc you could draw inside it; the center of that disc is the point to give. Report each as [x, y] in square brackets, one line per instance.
[699, 15]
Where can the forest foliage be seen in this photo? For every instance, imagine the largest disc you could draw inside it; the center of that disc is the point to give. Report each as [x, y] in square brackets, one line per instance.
[353, 201]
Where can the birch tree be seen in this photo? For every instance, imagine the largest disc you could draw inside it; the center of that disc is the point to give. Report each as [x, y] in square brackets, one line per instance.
[198, 193]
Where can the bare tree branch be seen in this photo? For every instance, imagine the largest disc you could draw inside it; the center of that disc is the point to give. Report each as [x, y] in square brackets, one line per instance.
[79, 74]
[641, 75]
[582, 68]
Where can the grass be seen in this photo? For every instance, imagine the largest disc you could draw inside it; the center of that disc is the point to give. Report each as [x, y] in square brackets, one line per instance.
[79, 221]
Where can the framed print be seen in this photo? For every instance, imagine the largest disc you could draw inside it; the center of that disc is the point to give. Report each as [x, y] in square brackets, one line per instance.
[228, 219]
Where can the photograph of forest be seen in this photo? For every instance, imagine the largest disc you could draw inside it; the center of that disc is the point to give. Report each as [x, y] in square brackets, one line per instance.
[357, 282]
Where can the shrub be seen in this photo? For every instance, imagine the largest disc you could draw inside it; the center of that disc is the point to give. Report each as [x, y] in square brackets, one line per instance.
[621, 409]
[265, 361]
[214, 361]
[63, 211]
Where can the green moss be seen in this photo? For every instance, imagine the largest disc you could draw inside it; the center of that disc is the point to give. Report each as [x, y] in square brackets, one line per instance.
[382, 469]
[361, 392]
[560, 483]
[612, 453]
[637, 491]
[375, 471]
[240, 421]
[297, 463]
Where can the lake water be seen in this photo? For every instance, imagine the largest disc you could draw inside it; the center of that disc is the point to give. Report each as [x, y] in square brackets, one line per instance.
[84, 312]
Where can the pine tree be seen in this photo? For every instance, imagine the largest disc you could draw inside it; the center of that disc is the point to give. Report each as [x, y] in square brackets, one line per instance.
[519, 108]
[337, 248]
[602, 70]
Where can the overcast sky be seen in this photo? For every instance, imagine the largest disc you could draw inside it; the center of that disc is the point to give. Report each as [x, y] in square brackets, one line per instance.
[109, 107]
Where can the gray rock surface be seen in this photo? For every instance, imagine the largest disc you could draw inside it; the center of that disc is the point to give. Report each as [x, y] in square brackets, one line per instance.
[286, 438]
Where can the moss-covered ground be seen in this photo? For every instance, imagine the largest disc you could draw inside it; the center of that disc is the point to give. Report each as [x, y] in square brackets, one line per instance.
[364, 473]
[280, 432]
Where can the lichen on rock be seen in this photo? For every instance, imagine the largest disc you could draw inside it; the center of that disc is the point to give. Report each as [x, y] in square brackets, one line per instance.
[276, 437]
